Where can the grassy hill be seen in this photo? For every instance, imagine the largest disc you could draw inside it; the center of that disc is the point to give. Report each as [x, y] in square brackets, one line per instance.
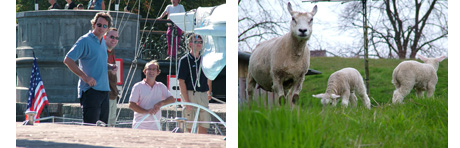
[416, 123]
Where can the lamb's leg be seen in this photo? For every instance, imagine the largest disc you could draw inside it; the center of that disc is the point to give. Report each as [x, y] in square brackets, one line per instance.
[361, 91]
[345, 99]
[250, 85]
[397, 97]
[366, 101]
[353, 99]
[400, 93]
[419, 93]
[430, 90]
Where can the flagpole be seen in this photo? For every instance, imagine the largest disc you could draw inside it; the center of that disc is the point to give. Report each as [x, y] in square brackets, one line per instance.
[46, 110]
[37, 99]
[45, 106]
[33, 53]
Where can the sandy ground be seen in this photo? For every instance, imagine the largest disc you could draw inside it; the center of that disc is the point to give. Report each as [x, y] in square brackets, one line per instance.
[72, 136]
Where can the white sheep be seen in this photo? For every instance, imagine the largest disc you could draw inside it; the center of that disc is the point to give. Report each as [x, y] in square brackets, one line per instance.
[412, 74]
[344, 83]
[280, 64]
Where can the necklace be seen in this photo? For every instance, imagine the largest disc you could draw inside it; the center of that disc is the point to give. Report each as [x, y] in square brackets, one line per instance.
[197, 70]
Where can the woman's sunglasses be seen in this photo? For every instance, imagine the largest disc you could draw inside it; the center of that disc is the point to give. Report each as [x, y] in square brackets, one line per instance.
[99, 25]
[198, 42]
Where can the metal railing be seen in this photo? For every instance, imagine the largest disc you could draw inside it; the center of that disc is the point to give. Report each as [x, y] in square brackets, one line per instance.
[195, 121]
[153, 40]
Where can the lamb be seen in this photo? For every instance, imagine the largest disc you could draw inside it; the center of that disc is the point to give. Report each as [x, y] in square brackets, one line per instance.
[344, 83]
[280, 64]
[412, 74]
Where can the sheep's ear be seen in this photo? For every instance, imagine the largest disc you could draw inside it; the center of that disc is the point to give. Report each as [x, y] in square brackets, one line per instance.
[334, 96]
[289, 7]
[422, 58]
[440, 58]
[318, 96]
[313, 12]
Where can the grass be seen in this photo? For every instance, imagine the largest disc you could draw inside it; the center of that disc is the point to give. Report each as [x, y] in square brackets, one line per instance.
[416, 123]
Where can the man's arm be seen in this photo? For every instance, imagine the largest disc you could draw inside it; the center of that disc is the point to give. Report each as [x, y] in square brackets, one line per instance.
[183, 91]
[168, 100]
[133, 106]
[210, 89]
[74, 68]
[103, 5]
[112, 68]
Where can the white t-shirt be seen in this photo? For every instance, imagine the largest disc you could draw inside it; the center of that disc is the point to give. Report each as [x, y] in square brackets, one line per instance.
[174, 9]
[146, 97]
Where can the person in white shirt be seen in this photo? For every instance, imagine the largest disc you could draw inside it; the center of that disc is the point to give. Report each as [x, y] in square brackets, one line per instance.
[147, 96]
[175, 7]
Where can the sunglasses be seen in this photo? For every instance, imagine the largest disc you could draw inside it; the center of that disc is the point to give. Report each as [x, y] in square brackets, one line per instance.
[99, 25]
[113, 37]
[198, 42]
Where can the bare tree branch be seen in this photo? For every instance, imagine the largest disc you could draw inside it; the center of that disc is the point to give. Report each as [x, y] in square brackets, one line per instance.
[405, 27]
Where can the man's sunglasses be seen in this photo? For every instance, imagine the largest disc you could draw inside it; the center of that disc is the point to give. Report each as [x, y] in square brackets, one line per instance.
[113, 37]
[99, 25]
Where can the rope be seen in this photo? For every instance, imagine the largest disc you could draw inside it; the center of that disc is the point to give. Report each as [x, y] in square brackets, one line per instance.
[137, 34]
[137, 53]
[122, 28]
[133, 64]
[124, 86]
[110, 2]
[170, 63]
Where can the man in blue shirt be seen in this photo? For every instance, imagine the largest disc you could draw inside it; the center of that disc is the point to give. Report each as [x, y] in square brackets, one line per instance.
[91, 52]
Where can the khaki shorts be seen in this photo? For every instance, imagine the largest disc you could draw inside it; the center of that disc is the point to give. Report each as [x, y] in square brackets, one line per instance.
[200, 98]
[112, 112]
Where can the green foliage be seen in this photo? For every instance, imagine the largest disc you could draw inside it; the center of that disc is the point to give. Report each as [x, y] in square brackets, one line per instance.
[145, 6]
[416, 123]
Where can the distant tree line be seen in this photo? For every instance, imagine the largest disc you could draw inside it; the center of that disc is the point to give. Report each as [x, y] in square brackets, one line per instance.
[396, 28]
[145, 6]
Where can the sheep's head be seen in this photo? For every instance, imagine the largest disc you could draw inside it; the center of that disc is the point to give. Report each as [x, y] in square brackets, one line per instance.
[327, 98]
[432, 61]
[301, 24]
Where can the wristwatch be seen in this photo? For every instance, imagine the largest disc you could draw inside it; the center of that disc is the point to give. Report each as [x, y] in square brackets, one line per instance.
[210, 94]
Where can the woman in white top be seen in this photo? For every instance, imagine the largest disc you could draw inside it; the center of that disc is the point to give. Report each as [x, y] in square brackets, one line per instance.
[175, 7]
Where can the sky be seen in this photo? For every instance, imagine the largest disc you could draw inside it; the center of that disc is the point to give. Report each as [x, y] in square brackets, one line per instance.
[325, 20]
[326, 33]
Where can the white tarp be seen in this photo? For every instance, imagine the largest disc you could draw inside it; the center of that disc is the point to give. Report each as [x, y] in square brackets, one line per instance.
[210, 23]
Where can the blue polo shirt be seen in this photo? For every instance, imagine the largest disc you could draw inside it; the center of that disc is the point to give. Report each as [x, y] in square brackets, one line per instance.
[92, 58]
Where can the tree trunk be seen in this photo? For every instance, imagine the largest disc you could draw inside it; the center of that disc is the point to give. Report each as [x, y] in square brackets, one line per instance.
[402, 54]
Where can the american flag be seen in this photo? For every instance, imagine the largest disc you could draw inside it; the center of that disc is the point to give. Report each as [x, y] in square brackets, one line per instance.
[37, 96]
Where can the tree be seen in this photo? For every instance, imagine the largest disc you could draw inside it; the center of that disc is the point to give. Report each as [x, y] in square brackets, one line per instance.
[260, 20]
[402, 26]
[146, 5]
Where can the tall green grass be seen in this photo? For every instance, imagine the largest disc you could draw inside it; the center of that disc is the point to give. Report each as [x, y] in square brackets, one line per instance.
[416, 123]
